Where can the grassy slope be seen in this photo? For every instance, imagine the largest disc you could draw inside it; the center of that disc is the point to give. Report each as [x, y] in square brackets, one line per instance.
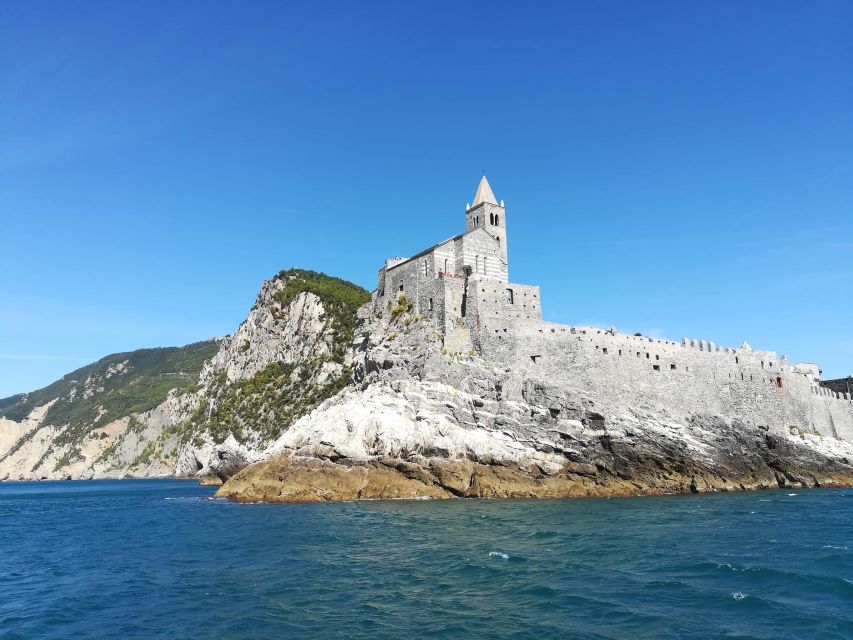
[147, 380]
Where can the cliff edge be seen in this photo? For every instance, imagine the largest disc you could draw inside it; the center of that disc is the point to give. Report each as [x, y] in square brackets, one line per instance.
[419, 420]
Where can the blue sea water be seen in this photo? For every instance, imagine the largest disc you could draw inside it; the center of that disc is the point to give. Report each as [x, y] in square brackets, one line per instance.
[163, 559]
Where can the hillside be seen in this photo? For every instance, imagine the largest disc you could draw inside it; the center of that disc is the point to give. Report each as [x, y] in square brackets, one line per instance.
[116, 386]
[164, 411]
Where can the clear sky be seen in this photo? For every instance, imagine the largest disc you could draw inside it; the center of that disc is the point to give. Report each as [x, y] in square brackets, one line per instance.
[674, 168]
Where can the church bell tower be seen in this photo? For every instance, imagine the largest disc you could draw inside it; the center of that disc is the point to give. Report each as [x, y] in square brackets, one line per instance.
[485, 212]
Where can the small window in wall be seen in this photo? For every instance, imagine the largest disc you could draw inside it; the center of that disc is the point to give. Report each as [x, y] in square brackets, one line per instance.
[656, 367]
[620, 352]
[779, 382]
[430, 304]
[400, 288]
[647, 355]
[604, 350]
[672, 367]
[425, 267]
[445, 265]
[491, 218]
[509, 296]
[497, 220]
[536, 359]
[657, 357]
[736, 360]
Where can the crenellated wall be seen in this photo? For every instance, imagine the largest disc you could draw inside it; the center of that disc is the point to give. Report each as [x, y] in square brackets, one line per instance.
[689, 377]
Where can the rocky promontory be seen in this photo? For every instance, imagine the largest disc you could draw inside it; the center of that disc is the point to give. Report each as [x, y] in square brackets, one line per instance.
[321, 395]
[420, 421]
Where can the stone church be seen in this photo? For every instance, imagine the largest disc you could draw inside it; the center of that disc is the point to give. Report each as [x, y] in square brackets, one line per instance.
[462, 286]
[465, 279]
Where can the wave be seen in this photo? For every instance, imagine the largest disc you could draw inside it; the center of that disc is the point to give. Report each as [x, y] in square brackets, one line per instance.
[498, 554]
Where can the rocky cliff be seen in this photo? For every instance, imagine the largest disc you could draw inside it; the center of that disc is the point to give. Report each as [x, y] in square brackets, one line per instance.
[418, 420]
[205, 410]
[319, 396]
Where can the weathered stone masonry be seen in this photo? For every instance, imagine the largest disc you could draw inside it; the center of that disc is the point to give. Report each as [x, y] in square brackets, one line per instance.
[462, 285]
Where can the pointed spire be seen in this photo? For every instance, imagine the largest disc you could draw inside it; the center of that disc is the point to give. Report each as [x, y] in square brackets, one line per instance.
[484, 193]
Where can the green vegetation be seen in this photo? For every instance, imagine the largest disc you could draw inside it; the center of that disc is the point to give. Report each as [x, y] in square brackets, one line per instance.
[150, 451]
[69, 457]
[267, 403]
[404, 305]
[273, 399]
[341, 300]
[802, 431]
[114, 387]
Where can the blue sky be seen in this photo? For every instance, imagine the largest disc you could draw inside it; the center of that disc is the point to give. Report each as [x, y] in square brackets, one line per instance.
[679, 169]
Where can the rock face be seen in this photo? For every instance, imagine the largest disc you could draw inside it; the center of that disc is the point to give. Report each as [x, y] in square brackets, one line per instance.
[421, 422]
[121, 417]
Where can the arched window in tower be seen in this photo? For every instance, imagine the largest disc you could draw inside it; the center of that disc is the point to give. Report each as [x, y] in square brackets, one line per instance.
[476, 220]
[492, 219]
[425, 268]
[497, 220]
[511, 299]
[476, 264]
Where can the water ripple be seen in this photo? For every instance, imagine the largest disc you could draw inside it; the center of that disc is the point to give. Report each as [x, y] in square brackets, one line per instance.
[160, 559]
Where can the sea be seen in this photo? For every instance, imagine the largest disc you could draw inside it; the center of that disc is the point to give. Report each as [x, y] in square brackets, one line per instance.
[165, 559]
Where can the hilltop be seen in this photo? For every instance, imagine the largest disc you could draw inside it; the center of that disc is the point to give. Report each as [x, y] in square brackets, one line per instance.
[158, 412]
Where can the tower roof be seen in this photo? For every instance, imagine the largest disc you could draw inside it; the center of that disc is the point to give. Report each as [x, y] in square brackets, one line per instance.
[484, 193]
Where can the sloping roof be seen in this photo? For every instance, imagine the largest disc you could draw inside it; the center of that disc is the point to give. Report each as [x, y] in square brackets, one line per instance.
[437, 245]
[426, 251]
[484, 193]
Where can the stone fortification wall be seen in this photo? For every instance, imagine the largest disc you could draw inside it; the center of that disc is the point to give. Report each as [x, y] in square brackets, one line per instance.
[436, 294]
[692, 377]
[840, 385]
[489, 299]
